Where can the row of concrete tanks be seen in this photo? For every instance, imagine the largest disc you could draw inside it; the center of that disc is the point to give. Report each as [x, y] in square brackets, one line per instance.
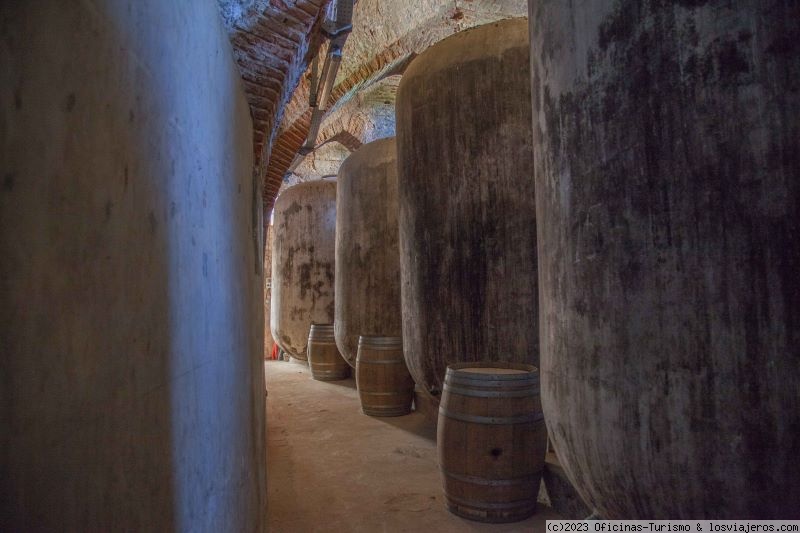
[663, 212]
[468, 268]
[350, 225]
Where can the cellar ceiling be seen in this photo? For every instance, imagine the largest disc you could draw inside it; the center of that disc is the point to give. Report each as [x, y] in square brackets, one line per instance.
[274, 43]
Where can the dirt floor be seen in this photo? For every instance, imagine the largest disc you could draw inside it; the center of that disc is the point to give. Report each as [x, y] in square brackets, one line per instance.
[332, 468]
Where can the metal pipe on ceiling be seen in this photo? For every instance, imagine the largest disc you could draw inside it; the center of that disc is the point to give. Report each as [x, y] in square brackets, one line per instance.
[337, 30]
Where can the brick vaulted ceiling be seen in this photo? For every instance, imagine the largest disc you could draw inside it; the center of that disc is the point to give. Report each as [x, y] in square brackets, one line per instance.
[274, 41]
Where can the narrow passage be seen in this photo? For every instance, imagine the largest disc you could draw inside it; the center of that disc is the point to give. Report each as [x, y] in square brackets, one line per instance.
[331, 468]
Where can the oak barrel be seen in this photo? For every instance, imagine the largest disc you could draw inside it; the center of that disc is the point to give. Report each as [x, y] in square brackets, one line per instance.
[323, 356]
[492, 440]
[384, 384]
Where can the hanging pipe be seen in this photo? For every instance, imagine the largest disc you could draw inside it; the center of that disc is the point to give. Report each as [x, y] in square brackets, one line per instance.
[337, 30]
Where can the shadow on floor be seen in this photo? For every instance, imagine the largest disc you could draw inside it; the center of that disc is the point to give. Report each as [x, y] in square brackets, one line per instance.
[415, 423]
[333, 468]
[349, 383]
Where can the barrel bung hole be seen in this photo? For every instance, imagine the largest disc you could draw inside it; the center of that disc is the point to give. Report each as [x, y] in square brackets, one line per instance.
[496, 452]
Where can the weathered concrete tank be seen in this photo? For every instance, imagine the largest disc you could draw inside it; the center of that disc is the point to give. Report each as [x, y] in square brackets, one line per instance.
[367, 254]
[668, 193]
[467, 209]
[303, 263]
[268, 340]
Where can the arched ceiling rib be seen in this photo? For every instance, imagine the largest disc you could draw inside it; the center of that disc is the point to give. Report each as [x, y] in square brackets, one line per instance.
[274, 40]
[324, 161]
[385, 34]
[366, 117]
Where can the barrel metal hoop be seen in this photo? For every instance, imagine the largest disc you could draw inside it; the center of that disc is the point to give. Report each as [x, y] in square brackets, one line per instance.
[466, 380]
[384, 348]
[372, 339]
[395, 393]
[518, 393]
[393, 411]
[493, 377]
[493, 482]
[493, 420]
[381, 362]
[491, 505]
[322, 342]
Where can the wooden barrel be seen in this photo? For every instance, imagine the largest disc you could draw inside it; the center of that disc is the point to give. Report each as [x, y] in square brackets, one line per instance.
[384, 384]
[323, 356]
[492, 440]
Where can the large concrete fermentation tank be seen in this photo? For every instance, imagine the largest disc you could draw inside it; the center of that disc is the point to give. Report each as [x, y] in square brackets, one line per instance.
[303, 263]
[667, 142]
[367, 255]
[270, 237]
[467, 209]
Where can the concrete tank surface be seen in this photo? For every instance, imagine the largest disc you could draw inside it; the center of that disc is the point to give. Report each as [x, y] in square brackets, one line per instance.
[303, 263]
[668, 193]
[268, 340]
[367, 254]
[131, 327]
[467, 209]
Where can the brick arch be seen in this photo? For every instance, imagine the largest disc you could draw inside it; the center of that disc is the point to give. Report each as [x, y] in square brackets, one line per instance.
[324, 161]
[289, 140]
[359, 120]
[385, 35]
[346, 139]
[272, 43]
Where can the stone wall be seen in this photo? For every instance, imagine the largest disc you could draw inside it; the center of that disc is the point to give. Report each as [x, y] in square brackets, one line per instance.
[132, 396]
[272, 41]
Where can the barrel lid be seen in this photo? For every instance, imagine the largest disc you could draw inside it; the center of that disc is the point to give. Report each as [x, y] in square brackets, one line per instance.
[492, 370]
[484, 370]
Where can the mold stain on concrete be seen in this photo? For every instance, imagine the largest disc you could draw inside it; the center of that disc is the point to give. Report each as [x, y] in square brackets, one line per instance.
[69, 102]
[9, 181]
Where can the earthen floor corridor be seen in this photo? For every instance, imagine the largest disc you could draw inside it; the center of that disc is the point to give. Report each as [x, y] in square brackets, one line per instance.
[331, 468]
